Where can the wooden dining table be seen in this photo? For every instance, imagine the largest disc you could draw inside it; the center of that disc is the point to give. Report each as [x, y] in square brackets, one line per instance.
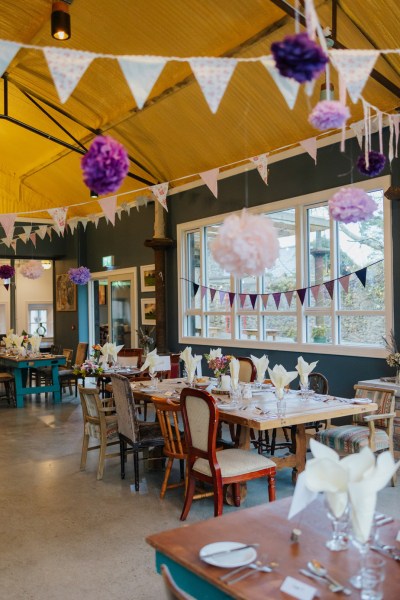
[266, 525]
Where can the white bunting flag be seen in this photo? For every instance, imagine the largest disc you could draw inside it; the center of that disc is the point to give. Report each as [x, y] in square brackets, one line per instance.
[27, 229]
[7, 52]
[84, 223]
[126, 207]
[261, 163]
[210, 178]
[160, 192]
[355, 67]
[33, 238]
[50, 232]
[6, 241]
[288, 87]
[72, 225]
[141, 73]
[358, 129]
[59, 216]
[7, 222]
[66, 68]
[13, 245]
[23, 237]
[213, 75]
[108, 206]
[310, 146]
[95, 219]
[41, 231]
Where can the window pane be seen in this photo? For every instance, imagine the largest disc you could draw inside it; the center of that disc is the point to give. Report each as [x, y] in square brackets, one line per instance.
[280, 328]
[247, 285]
[319, 254]
[362, 330]
[194, 325]
[248, 327]
[193, 268]
[319, 329]
[218, 326]
[216, 277]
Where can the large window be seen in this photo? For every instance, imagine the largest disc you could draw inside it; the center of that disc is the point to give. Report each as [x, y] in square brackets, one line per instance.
[339, 313]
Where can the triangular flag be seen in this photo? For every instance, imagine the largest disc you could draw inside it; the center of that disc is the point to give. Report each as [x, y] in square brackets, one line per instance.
[141, 73]
[310, 146]
[27, 229]
[221, 296]
[344, 282]
[261, 163]
[288, 87]
[7, 221]
[49, 232]
[6, 241]
[66, 68]
[289, 296]
[330, 286]
[231, 298]
[59, 216]
[301, 294]
[160, 192]
[277, 298]
[242, 299]
[126, 207]
[355, 67]
[55, 228]
[265, 300]
[212, 294]
[362, 275]
[108, 206]
[23, 237]
[7, 285]
[41, 231]
[7, 52]
[213, 75]
[72, 225]
[210, 178]
[203, 291]
[253, 299]
[84, 223]
[195, 288]
[315, 291]
[13, 245]
[358, 129]
[33, 238]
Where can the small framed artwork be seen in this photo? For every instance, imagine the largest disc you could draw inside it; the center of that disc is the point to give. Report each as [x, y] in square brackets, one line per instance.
[148, 278]
[148, 306]
[65, 294]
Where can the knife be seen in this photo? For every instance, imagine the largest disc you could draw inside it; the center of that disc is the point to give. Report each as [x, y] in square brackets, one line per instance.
[229, 550]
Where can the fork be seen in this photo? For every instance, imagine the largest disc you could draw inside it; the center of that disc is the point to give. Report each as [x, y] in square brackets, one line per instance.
[254, 567]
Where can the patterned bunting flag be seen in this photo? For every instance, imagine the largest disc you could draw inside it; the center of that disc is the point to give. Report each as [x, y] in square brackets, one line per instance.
[66, 68]
[210, 178]
[253, 299]
[160, 192]
[141, 73]
[213, 75]
[108, 206]
[288, 87]
[33, 238]
[59, 216]
[195, 288]
[355, 67]
[277, 298]
[7, 222]
[362, 275]
[261, 163]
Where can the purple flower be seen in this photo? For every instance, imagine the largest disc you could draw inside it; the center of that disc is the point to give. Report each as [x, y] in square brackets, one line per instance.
[6, 271]
[351, 205]
[299, 57]
[80, 275]
[376, 163]
[105, 165]
[328, 114]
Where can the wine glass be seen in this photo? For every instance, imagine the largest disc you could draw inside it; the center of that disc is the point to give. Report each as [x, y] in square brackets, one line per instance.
[339, 517]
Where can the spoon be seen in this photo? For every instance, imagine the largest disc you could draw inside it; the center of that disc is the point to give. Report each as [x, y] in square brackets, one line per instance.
[316, 567]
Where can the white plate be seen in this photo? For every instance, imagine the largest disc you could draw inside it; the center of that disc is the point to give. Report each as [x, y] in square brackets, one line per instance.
[362, 401]
[148, 388]
[230, 559]
[227, 407]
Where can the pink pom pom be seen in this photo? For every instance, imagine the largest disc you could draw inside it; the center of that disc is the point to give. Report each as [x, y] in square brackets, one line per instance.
[328, 114]
[351, 205]
[32, 269]
[246, 244]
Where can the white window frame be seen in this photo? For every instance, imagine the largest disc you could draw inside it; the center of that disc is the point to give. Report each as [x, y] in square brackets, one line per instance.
[41, 305]
[300, 204]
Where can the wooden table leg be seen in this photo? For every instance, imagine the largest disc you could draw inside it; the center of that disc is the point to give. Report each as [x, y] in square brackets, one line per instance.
[301, 449]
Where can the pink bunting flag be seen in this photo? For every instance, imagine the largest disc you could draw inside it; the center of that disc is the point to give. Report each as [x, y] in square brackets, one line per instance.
[141, 73]
[310, 146]
[41, 231]
[66, 68]
[355, 67]
[59, 216]
[261, 163]
[160, 192]
[23, 237]
[108, 206]
[277, 298]
[288, 87]
[7, 222]
[210, 178]
[221, 296]
[27, 229]
[203, 291]
[330, 286]
[264, 298]
[242, 299]
[344, 282]
[7, 52]
[315, 292]
[212, 293]
[33, 238]
[289, 296]
[213, 75]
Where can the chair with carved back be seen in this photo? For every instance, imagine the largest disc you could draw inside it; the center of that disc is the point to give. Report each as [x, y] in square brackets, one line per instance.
[231, 466]
[247, 370]
[375, 430]
[132, 357]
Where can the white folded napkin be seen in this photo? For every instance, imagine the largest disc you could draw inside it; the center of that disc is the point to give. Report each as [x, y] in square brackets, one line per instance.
[151, 362]
[109, 352]
[12, 339]
[280, 377]
[191, 364]
[186, 353]
[261, 365]
[214, 353]
[234, 367]
[34, 341]
[304, 369]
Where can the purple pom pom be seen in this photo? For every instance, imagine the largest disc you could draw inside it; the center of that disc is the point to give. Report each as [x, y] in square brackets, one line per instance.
[351, 205]
[329, 114]
[6, 271]
[299, 57]
[105, 165]
[376, 163]
[80, 275]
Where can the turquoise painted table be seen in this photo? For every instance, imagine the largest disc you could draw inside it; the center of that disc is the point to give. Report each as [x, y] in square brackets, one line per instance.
[17, 365]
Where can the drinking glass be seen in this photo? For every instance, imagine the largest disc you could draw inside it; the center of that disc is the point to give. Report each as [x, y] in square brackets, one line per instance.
[305, 389]
[340, 525]
[235, 396]
[154, 379]
[373, 576]
[363, 548]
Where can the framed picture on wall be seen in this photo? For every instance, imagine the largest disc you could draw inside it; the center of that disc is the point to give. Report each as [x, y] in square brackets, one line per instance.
[65, 294]
[147, 278]
[148, 306]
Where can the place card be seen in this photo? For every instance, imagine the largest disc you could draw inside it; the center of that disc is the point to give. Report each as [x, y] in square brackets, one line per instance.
[297, 589]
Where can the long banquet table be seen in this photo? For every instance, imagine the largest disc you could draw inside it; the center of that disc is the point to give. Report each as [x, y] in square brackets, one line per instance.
[268, 526]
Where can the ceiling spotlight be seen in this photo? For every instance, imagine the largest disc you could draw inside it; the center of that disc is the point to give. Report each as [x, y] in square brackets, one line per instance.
[46, 264]
[61, 21]
[93, 194]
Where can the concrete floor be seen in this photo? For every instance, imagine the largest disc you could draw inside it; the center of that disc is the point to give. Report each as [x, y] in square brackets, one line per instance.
[63, 534]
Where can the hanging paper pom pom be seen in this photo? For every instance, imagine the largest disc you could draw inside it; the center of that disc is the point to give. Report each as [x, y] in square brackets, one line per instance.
[351, 205]
[33, 269]
[80, 275]
[105, 165]
[6, 271]
[376, 164]
[299, 57]
[246, 244]
[329, 114]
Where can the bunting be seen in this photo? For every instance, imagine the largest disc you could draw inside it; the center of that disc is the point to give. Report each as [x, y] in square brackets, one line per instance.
[213, 75]
[7, 52]
[354, 66]
[160, 192]
[261, 163]
[310, 146]
[288, 87]
[141, 73]
[59, 216]
[67, 68]
[7, 222]
[108, 206]
[210, 178]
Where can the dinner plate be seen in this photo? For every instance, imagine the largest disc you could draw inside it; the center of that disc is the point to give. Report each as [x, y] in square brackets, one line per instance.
[148, 388]
[228, 560]
[362, 401]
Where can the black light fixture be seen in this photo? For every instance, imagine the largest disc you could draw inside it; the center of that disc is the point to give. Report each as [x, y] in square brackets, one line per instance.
[61, 20]
[93, 194]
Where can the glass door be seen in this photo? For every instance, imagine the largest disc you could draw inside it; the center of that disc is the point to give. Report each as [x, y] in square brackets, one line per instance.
[120, 309]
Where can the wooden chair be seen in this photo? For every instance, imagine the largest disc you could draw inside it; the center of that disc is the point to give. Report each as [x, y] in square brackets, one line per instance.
[200, 417]
[132, 357]
[8, 381]
[98, 423]
[132, 432]
[80, 357]
[375, 431]
[247, 370]
[173, 591]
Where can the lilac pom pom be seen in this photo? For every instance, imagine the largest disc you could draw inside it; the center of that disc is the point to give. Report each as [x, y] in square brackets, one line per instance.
[6, 271]
[105, 165]
[351, 205]
[80, 275]
[328, 114]
[33, 269]
[376, 163]
[299, 57]
[246, 244]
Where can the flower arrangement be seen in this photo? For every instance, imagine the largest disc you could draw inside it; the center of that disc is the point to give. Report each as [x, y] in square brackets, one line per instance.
[96, 353]
[393, 358]
[218, 363]
[88, 369]
[33, 269]
[6, 271]
[79, 275]
[145, 336]
[299, 57]
[105, 165]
